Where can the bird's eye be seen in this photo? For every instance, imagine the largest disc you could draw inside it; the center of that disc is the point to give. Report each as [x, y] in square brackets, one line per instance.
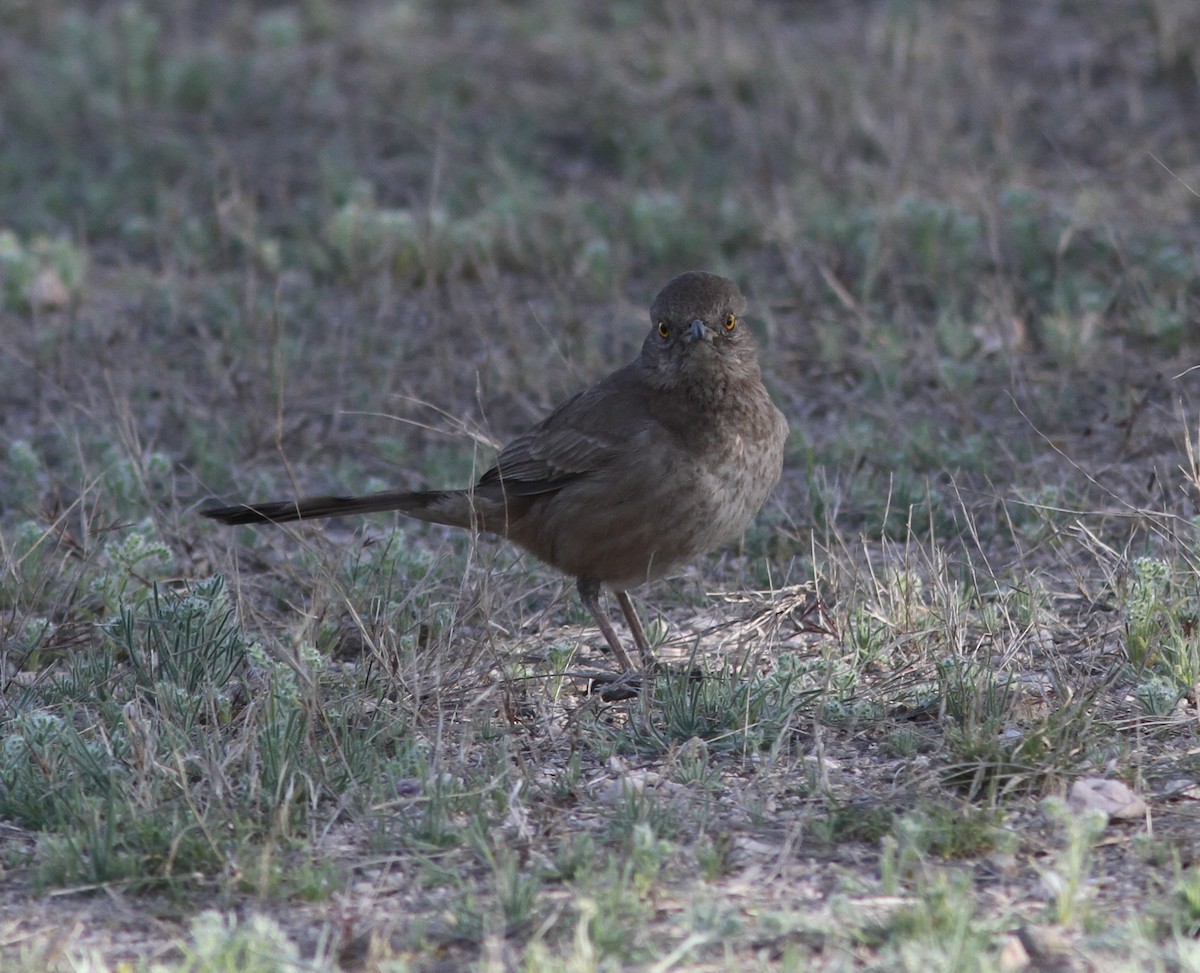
[730, 321]
[663, 330]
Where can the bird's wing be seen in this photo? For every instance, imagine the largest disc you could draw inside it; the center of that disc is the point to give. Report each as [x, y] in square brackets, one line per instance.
[587, 433]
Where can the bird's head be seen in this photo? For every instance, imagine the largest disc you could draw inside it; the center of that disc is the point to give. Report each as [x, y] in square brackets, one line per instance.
[697, 334]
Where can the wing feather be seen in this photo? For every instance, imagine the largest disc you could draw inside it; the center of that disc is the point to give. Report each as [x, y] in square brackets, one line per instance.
[585, 434]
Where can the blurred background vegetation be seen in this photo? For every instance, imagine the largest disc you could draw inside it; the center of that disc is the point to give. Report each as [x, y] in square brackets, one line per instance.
[250, 248]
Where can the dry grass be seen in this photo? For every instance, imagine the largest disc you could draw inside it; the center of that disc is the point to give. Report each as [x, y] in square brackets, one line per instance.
[337, 246]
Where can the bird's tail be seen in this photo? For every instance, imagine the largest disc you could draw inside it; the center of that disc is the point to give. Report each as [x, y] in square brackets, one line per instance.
[452, 507]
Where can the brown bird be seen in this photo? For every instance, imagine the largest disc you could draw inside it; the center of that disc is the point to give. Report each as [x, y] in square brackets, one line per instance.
[656, 464]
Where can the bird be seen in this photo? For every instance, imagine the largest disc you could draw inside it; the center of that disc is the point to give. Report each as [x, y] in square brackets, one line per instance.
[664, 460]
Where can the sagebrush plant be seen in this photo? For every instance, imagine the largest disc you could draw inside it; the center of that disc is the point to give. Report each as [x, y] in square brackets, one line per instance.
[1147, 611]
[176, 746]
[127, 566]
[1162, 612]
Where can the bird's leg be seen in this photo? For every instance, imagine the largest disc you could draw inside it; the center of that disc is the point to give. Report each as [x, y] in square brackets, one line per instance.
[589, 594]
[635, 627]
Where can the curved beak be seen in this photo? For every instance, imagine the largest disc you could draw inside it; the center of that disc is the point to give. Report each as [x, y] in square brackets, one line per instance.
[696, 330]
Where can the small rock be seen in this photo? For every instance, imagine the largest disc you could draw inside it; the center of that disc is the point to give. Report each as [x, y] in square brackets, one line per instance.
[47, 291]
[1013, 956]
[1181, 787]
[1110, 796]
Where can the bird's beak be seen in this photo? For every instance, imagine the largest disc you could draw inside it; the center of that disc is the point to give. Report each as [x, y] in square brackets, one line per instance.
[696, 330]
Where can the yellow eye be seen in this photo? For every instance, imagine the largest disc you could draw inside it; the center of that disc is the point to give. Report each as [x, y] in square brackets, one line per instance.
[663, 330]
[730, 321]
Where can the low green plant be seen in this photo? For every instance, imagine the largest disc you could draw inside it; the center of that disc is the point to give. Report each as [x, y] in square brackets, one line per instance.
[255, 944]
[951, 830]
[40, 273]
[731, 710]
[1146, 610]
[133, 757]
[715, 854]
[938, 931]
[1187, 903]
[864, 823]
[1067, 875]
[638, 816]
[1162, 626]
[1158, 696]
